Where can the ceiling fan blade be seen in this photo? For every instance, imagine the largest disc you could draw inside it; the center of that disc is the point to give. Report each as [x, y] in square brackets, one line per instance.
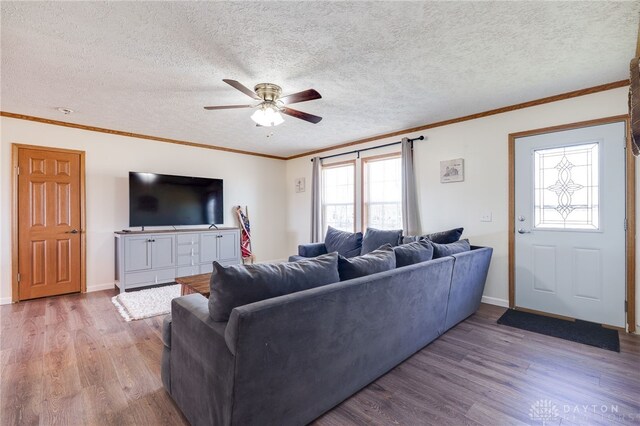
[301, 115]
[305, 95]
[227, 107]
[238, 86]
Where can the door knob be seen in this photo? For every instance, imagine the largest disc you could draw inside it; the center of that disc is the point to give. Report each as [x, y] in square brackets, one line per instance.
[73, 231]
[523, 231]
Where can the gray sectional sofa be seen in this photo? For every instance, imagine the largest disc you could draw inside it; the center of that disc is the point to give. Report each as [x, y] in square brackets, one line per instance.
[288, 359]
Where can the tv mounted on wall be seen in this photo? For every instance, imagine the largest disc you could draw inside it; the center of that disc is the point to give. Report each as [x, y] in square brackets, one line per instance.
[166, 200]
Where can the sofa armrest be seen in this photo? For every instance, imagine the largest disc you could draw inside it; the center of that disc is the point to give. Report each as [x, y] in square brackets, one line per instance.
[166, 331]
[467, 283]
[191, 322]
[201, 365]
[312, 250]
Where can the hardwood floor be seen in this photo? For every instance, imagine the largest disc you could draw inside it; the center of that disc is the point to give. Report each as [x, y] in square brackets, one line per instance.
[73, 360]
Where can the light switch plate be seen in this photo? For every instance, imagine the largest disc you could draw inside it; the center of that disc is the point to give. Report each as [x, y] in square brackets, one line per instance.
[485, 216]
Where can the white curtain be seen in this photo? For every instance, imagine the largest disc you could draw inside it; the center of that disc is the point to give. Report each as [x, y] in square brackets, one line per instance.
[316, 202]
[410, 216]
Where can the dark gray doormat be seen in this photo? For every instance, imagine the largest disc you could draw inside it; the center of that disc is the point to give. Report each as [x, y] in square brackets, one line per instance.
[588, 333]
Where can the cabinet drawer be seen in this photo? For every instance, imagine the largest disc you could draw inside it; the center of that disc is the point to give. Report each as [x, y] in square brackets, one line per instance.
[188, 260]
[188, 239]
[207, 268]
[150, 277]
[190, 249]
[186, 271]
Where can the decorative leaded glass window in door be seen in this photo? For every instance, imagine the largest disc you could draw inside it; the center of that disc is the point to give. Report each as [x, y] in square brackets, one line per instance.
[566, 187]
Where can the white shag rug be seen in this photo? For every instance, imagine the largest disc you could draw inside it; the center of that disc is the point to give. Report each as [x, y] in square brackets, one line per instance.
[142, 304]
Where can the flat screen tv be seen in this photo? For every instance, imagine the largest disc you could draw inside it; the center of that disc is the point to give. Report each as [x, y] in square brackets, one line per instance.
[165, 200]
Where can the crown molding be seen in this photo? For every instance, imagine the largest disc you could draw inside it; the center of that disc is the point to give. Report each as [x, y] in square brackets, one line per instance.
[134, 135]
[541, 101]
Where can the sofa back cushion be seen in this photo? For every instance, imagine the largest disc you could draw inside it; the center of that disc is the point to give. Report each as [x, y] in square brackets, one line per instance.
[442, 237]
[239, 285]
[442, 250]
[416, 252]
[375, 238]
[382, 259]
[347, 244]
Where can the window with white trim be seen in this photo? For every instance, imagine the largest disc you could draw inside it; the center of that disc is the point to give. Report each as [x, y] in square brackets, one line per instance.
[361, 193]
[338, 196]
[382, 192]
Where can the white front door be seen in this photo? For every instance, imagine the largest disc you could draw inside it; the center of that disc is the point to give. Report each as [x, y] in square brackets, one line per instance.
[570, 223]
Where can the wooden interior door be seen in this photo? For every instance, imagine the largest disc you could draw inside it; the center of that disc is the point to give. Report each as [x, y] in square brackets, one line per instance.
[49, 222]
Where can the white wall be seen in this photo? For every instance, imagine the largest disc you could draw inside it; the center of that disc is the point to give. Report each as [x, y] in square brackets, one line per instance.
[280, 216]
[483, 145]
[256, 182]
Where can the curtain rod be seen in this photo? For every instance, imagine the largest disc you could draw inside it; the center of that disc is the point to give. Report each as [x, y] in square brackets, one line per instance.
[358, 151]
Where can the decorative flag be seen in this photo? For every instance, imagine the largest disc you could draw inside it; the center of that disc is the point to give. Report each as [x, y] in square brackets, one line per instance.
[245, 235]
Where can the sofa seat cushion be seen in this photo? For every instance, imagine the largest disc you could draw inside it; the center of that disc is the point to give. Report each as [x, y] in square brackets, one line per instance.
[416, 252]
[239, 285]
[442, 237]
[382, 259]
[375, 238]
[347, 244]
[442, 250]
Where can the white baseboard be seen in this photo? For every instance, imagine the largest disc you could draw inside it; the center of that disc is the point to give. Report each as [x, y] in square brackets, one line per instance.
[100, 287]
[5, 300]
[495, 301]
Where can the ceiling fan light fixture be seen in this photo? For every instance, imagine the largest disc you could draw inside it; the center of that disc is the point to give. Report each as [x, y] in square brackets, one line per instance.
[273, 104]
[267, 115]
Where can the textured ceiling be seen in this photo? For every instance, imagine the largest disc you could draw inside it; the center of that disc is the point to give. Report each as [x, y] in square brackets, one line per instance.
[150, 67]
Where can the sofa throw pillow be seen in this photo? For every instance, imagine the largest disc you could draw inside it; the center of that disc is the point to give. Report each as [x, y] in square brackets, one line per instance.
[375, 238]
[416, 252]
[442, 250]
[347, 244]
[382, 259]
[239, 285]
[443, 237]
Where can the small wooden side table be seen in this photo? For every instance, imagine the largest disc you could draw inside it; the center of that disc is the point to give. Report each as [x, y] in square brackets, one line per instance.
[195, 284]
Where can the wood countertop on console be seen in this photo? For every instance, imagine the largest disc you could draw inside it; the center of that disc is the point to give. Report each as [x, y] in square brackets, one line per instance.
[162, 231]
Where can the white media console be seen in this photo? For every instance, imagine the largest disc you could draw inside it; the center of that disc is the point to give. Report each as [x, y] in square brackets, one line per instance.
[146, 258]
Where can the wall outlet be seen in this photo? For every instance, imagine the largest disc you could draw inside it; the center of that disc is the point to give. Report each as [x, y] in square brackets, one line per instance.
[485, 216]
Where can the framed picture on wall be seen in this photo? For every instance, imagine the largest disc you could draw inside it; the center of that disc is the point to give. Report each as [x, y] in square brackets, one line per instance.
[452, 170]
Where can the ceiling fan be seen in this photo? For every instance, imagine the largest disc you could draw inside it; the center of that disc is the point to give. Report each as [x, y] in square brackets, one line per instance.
[272, 103]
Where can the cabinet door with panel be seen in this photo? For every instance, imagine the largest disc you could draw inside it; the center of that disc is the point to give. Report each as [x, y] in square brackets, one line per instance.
[163, 251]
[206, 268]
[227, 246]
[137, 253]
[209, 247]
